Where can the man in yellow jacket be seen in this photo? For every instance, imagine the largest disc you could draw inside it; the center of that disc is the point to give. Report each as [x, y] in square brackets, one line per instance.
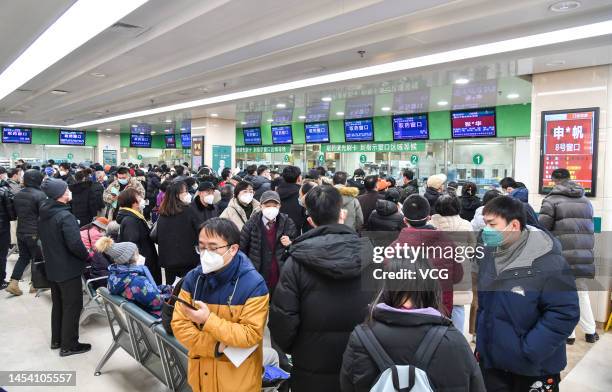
[232, 303]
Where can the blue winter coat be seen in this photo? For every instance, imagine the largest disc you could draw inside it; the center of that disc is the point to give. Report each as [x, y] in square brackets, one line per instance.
[135, 283]
[527, 311]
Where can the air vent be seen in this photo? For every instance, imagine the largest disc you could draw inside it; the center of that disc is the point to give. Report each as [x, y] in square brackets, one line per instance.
[124, 26]
[23, 90]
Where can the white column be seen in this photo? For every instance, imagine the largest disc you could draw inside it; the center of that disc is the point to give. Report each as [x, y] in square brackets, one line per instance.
[107, 141]
[215, 131]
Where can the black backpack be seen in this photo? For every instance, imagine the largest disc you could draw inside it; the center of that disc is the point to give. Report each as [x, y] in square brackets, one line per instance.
[168, 308]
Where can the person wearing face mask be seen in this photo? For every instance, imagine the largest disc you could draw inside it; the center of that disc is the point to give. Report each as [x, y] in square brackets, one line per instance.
[203, 204]
[319, 298]
[122, 181]
[232, 304]
[306, 186]
[64, 173]
[130, 278]
[134, 228]
[65, 259]
[527, 302]
[266, 236]
[243, 204]
[261, 182]
[177, 232]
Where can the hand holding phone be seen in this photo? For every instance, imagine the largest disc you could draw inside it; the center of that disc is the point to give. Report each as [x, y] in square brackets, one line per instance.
[190, 306]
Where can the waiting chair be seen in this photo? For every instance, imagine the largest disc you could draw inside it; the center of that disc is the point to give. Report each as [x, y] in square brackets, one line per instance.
[93, 302]
[175, 359]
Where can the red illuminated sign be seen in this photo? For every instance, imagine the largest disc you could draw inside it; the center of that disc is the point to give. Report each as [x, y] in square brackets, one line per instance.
[569, 141]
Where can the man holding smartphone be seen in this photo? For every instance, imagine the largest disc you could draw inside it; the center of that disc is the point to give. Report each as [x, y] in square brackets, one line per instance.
[231, 298]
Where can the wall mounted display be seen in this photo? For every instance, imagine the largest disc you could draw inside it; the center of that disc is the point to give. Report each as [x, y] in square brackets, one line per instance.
[410, 127]
[186, 140]
[361, 130]
[317, 132]
[137, 140]
[411, 101]
[16, 135]
[281, 134]
[170, 141]
[359, 107]
[473, 123]
[252, 136]
[72, 138]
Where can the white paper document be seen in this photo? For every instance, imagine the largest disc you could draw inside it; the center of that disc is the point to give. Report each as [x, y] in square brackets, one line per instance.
[237, 355]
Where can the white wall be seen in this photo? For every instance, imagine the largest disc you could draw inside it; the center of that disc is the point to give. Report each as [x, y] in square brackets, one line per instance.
[216, 132]
[107, 142]
[522, 159]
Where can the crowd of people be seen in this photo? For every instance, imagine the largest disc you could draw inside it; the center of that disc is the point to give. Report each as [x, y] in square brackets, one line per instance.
[255, 248]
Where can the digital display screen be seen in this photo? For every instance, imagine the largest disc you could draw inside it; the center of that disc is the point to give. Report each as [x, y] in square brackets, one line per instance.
[72, 138]
[143, 129]
[411, 101]
[170, 141]
[17, 135]
[252, 136]
[474, 95]
[137, 140]
[318, 111]
[317, 132]
[410, 127]
[359, 130]
[569, 141]
[186, 140]
[282, 116]
[359, 107]
[281, 134]
[473, 123]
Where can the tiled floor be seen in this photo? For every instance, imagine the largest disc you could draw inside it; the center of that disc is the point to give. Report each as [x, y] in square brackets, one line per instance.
[25, 339]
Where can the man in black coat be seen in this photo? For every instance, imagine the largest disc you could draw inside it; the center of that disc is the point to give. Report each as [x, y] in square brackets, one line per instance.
[65, 260]
[203, 203]
[86, 198]
[65, 174]
[410, 185]
[289, 191]
[319, 298]
[369, 199]
[7, 214]
[27, 203]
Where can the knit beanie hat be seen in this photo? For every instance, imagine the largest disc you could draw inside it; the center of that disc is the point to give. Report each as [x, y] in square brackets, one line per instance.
[436, 181]
[120, 252]
[54, 188]
[416, 209]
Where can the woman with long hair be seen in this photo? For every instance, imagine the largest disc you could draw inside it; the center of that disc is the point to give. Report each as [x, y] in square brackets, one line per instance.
[403, 312]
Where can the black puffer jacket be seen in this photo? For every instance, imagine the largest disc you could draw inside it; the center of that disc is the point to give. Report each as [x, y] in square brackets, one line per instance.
[260, 185]
[177, 237]
[432, 197]
[409, 189]
[252, 241]
[135, 229]
[568, 215]
[317, 303]
[7, 207]
[86, 202]
[469, 204]
[452, 366]
[386, 217]
[27, 203]
[152, 188]
[289, 204]
[203, 212]
[64, 252]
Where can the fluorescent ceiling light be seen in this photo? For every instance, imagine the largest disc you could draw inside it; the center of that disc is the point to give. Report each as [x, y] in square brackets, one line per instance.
[59, 92]
[12, 124]
[214, 115]
[280, 106]
[565, 6]
[302, 117]
[152, 132]
[81, 22]
[134, 125]
[339, 113]
[385, 108]
[442, 103]
[98, 130]
[243, 123]
[203, 127]
[571, 91]
[168, 121]
[476, 51]
[109, 129]
[269, 120]
[512, 96]
[182, 129]
[167, 130]
[462, 81]
[97, 75]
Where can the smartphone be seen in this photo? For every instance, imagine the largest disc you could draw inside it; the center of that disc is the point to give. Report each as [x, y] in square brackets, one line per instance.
[190, 306]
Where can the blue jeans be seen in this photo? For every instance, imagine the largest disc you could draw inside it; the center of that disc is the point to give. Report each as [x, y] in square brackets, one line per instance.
[458, 317]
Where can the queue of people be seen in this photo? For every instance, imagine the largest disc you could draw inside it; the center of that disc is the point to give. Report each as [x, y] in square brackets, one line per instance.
[250, 251]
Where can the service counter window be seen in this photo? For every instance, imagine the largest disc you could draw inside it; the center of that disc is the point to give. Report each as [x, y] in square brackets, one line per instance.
[31, 153]
[482, 161]
[428, 158]
[81, 154]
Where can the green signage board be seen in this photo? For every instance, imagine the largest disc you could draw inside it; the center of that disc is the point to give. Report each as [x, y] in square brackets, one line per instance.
[109, 157]
[139, 157]
[374, 147]
[286, 158]
[321, 159]
[221, 157]
[477, 159]
[363, 158]
[15, 155]
[414, 159]
[70, 156]
[261, 149]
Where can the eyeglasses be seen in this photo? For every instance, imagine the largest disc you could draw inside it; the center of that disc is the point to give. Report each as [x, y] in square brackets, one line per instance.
[210, 249]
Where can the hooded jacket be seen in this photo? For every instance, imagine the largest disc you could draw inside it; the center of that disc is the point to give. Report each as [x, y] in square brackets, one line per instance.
[27, 203]
[289, 194]
[237, 297]
[400, 333]
[317, 303]
[521, 194]
[135, 283]
[411, 188]
[236, 213]
[568, 214]
[527, 309]
[386, 217]
[432, 196]
[354, 215]
[368, 203]
[135, 229]
[260, 185]
[64, 253]
[153, 184]
[203, 212]
[469, 204]
[86, 201]
[177, 236]
[7, 207]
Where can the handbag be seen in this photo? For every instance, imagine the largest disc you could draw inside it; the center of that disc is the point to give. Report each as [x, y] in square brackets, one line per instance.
[39, 276]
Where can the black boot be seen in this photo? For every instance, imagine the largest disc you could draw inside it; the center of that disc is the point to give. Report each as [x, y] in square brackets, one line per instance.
[80, 348]
[570, 341]
[591, 338]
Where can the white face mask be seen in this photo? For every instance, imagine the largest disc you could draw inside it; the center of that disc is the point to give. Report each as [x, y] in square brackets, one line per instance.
[141, 260]
[69, 196]
[141, 204]
[208, 199]
[270, 212]
[62, 173]
[186, 198]
[211, 261]
[3, 177]
[245, 198]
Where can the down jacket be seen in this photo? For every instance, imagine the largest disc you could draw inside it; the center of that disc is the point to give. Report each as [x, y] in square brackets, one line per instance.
[318, 301]
[354, 215]
[134, 228]
[568, 214]
[386, 217]
[27, 203]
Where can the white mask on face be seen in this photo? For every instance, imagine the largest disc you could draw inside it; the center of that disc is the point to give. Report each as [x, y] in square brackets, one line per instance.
[142, 204]
[211, 261]
[186, 198]
[141, 260]
[62, 173]
[270, 212]
[208, 199]
[69, 196]
[245, 198]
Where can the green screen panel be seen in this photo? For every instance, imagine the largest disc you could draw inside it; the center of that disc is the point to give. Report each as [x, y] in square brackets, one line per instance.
[513, 120]
[382, 129]
[299, 137]
[439, 125]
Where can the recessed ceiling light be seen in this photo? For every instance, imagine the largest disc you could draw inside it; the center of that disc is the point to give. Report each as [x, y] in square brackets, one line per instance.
[442, 103]
[462, 81]
[385, 108]
[97, 75]
[243, 123]
[167, 130]
[326, 99]
[269, 120]
[302, 117]
[168, 121]
[281, 105]
[339, 113]
[59, 92]
[565, 6]
[214, 115]
[11, 125]
[182, 129]
[98, 130]
[134, 125]
[16, 112]
[109, 129]
[152, 132]
[555, 63]
[512, 96]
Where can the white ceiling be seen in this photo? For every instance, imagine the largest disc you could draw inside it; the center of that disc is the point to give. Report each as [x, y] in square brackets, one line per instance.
[189, 49]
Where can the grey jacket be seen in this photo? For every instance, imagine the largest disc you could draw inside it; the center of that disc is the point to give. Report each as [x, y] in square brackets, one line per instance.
[354, 215]
[568, 214]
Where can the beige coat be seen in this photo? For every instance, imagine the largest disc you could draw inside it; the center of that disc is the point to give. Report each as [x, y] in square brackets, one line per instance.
[236, 214]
